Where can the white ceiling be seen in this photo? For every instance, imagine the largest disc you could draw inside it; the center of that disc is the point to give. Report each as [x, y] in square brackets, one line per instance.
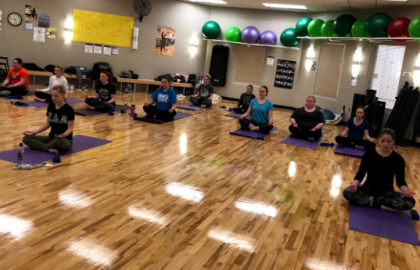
[318, 5]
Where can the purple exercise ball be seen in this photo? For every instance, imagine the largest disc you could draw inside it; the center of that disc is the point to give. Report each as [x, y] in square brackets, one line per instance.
[268, 38]
[250, 35]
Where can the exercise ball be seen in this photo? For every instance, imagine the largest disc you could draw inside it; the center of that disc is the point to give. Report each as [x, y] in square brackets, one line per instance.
[233, 34]
[328, 115]
[327, 29]
[250, 35]
[302, 27]
[268, 38]
[377, 25]
[288, 38]
[414, 28]
[314, 28]
[342, 25]
[359, 29]
[211, 30]
[398, 27]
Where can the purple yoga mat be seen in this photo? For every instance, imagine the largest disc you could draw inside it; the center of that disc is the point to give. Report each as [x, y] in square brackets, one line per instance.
[302, 143]
[179, 115]
[37, 104]
[87, 112]
[346, 151]
[80, 143]
[234, 114]
[251, 134]
[30, 93]
[383, 223]
[192, 107]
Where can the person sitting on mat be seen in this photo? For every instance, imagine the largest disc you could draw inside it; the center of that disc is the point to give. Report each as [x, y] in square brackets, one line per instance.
[57, 79]
[164, 99]
[244, 101]
[355, 129]
[381, 164]
[105, 92]
[60, 117]
[261, 111]
[205, 93]
[307, 121]
[17, 80]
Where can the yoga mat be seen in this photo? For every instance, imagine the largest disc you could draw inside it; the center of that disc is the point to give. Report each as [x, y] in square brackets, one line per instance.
[192, 107]
[37, 104]
[31, 156]
[234, 114]
[302, 143]
[251, 134]
[87, 112]
[347, 151]
[179, 115]
[383, 223]
[30, 93]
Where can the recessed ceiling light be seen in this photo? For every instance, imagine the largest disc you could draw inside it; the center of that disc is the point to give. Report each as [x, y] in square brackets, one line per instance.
[210, 1]
[284, 6]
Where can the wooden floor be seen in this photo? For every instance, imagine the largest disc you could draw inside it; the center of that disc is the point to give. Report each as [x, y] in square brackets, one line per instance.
[186, 195]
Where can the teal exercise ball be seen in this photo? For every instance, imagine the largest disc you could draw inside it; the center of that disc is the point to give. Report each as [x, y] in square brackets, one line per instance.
[288, 38]
[327, 29]
[233, 34]
[302, 27]
[211, 30]
[359, 29]
[314, 28]
[377, 25]
[414, 28]
[342, 25]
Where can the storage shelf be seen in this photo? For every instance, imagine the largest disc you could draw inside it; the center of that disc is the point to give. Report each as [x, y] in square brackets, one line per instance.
[253, 44]
[371, 39]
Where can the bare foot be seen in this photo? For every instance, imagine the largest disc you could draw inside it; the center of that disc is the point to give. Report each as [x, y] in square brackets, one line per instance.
[383, 207]
[90, 107]
[54, 151]
[39, 100]
[253, 128]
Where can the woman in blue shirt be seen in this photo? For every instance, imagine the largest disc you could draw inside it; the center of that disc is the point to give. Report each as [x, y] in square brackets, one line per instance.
[164, 99]
[356, 128]
[261, 111]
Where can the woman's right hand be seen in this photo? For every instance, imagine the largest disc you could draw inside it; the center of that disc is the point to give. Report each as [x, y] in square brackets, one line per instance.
[87, 96]
[236, 106]
[37, 90]
[295, 125]
[353, 186]
[240, 117]
[341, 135]
[146, 104]
[28, 133]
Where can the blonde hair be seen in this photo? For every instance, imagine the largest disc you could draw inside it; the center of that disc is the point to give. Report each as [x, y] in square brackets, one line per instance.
[60, 88]
[61, 69]
[208, 76]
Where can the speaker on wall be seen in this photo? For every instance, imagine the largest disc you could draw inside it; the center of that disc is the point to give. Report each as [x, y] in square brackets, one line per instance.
[218, 65]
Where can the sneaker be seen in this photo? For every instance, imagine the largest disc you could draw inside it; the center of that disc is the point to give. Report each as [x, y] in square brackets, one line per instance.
[85, 87]
[71, 87]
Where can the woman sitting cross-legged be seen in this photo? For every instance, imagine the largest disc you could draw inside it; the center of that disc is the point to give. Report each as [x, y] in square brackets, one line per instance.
[104, 101]
[244, 100]
[261, 111]
[307, 121]
[381, 165]
[164, 99]
[355, 129]
[204, 95]
[57, 79]
[60, 117]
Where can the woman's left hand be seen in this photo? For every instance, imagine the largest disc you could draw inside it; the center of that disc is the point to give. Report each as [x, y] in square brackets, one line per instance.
[372, 140]
[59, 136]
[314, 129]
[9, 86]
[170, 110]
[408, 194]
[270, 123]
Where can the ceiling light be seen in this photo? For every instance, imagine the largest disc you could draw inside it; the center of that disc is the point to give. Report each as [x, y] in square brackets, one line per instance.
[394, 0]
[284, 6]
[210, 1]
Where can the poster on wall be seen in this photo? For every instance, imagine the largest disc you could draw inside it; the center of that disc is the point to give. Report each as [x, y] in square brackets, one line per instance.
[97, 48]
[39, 34]
[88, 48]
[1, 15]
[31, 13]
[107, 50]
[165, 41]
[313, 66]
[44, 20]
[29, 25]
[51, 33]
[115, 50]
[285, 74]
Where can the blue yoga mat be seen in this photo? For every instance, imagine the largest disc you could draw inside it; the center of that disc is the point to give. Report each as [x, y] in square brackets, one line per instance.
[251, 134]
[302, 143]
[347, 151]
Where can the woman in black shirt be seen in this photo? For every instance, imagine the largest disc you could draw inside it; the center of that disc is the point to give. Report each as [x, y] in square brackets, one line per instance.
[381, 164]
[245, 100]
[307, 121]
[204, 95]
[60, 117]
[104, 101]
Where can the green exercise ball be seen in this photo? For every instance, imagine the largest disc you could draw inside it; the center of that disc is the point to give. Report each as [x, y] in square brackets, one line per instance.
[377, 25]
[288, 38]
[211, 30]
[414, 28]
[314, 28]
[327, 29]
[233, 34]
[359, 29]
[342, 25]
[302, 27]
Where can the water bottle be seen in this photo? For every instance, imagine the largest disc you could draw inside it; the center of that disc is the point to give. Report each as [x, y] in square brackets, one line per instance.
[133, 110]
[20, 154]
[125, 107]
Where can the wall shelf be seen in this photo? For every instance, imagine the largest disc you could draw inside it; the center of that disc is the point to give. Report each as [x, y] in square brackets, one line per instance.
[370, 39]
[253, 44]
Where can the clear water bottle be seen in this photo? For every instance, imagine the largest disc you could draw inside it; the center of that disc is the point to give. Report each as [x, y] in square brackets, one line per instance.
[125, 107]
[20, 153]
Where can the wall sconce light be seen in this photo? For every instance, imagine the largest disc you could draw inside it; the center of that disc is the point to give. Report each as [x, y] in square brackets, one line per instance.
[357, 60]
[135, 41]
[68, 30]
[416, 76]
[193, 45]
[309, 57]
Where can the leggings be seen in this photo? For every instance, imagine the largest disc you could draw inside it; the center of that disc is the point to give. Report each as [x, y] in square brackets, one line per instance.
[305, 134]
[20, 90]
[43, 95]
[242, 109]
[391, 199]
[200, 101]
[45, 143]
[263, 127]
[347, 142]
[99, 106]
[152, 111]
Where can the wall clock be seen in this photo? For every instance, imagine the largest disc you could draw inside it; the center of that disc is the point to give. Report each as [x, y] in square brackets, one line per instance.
[14, 19]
